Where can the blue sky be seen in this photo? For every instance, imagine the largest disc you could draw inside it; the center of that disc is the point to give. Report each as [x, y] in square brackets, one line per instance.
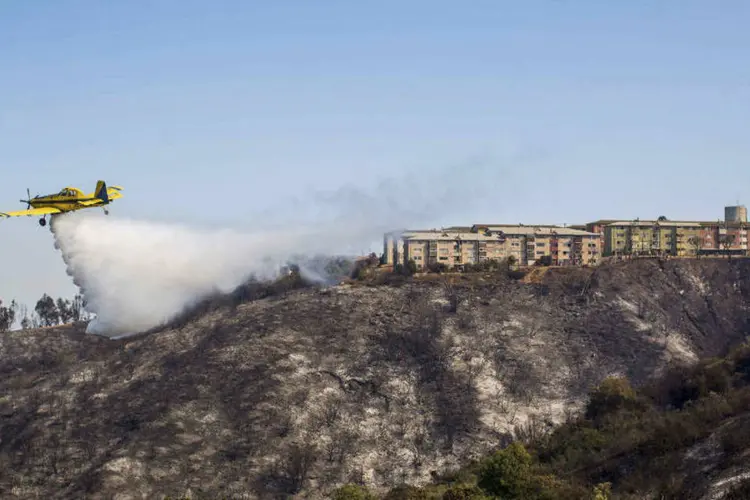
[212, 112]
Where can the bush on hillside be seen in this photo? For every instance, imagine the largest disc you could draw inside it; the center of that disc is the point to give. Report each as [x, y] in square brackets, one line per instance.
[507, 472]
[613, 394]
[352, 492]
[406, 492]
[465, 492]
[436, 267]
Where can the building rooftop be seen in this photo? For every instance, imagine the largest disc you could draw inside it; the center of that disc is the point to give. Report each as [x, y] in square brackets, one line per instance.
[524, 229]
[681, 223]
[492, 233]
[602, 221]
[484, 226]
[449, 236]
[664, 223]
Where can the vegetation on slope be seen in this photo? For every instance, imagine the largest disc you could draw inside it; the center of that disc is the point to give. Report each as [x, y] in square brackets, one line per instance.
[651, 442]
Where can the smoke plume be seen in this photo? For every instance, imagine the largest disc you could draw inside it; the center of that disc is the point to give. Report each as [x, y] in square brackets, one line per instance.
[137, 275]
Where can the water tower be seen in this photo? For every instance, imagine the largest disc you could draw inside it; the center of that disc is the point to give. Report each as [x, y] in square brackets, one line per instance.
[736, 213]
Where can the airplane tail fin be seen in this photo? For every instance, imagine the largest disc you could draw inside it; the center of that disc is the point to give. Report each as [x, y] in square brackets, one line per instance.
[101, 191]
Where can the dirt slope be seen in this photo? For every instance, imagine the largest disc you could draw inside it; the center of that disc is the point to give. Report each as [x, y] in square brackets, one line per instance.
[298, 393]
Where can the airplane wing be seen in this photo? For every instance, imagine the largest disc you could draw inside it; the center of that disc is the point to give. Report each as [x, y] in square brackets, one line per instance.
[33, 211]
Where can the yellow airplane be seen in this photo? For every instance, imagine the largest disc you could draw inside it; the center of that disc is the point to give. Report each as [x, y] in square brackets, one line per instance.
[68, 199]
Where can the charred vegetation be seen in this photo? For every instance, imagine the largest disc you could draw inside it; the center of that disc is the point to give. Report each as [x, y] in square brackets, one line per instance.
[289, 388]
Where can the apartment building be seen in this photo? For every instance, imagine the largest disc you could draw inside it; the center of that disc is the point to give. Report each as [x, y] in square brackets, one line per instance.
[652, 237]
[677, 238]
[561, 245]
[453, 249]
[457, 247]
[720, 237]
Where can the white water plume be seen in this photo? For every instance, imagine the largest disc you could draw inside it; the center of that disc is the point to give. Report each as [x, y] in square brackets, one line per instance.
[137, 275]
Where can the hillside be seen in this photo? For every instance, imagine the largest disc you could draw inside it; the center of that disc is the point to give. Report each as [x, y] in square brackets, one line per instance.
[300, 392]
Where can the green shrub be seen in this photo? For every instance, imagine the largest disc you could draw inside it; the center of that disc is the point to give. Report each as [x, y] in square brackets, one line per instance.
[465, 492]
[715, 376]
[406, 492]
[437, 267]
[570, 446]
[602, 491]
[613, 394]
[682, 385]
[352, 492]
[740, 357]
[507, 473]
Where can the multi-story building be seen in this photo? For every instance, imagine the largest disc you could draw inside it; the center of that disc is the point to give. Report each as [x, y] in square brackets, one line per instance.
[452, 249]
[524, 244]
[560, 245]
[723, 237]
[651, 237]
[677, 238]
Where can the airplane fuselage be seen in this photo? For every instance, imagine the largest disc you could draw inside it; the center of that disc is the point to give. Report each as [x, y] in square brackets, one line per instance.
[65, 204]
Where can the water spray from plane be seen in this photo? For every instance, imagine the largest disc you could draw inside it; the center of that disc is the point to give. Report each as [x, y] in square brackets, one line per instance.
[136, 275]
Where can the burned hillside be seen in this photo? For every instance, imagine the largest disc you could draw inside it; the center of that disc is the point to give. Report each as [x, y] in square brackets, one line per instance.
[299, 390]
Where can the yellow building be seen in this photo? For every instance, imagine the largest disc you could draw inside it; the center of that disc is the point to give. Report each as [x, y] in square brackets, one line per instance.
[659, 237]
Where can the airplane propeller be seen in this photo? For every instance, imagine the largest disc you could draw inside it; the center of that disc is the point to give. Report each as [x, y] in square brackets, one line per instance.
[28, 199]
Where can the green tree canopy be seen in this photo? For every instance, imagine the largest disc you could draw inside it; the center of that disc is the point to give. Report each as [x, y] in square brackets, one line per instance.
[47, 311]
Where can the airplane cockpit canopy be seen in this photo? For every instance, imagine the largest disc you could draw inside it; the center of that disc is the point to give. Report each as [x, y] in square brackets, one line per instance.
[69, 192]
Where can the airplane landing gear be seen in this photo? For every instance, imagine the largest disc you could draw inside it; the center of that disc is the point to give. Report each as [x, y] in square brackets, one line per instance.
[42, 222]
[106, 212]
